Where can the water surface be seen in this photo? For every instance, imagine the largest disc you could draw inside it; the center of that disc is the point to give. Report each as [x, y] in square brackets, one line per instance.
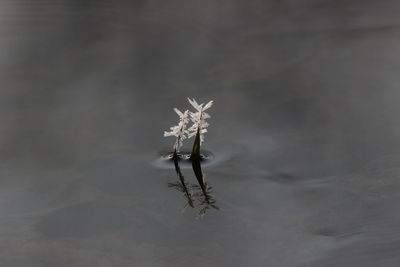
[304, 132]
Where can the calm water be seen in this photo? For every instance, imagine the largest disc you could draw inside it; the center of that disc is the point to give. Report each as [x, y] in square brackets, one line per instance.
[305, 132]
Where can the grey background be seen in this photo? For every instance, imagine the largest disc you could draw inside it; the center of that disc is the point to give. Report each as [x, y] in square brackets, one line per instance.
[304, 131]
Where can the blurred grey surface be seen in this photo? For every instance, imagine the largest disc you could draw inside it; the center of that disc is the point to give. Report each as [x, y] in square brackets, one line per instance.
[304, 131]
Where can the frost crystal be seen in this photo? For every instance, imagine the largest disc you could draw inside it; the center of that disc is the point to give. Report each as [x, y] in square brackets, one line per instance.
[198, 118]
[179, 131]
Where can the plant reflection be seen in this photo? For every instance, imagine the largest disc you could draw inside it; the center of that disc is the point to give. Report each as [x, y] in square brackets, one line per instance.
[200, 193]
[181, 185]
[205, 199]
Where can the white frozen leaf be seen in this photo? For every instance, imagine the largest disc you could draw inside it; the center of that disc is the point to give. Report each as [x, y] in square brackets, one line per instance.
[177, 111]
[192, 134]
[167, 134]
[206, 115]
[208, 105]
[195, 104]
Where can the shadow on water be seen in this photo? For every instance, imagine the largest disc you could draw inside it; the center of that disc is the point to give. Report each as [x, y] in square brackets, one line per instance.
[200, 193]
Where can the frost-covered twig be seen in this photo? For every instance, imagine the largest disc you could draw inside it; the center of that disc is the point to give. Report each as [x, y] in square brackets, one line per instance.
[198, 129]
[179, 131]
[199, 119]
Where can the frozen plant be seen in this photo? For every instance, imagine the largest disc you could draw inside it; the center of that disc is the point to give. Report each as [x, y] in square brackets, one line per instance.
[199, 126]
[179, 131]
[199, 119]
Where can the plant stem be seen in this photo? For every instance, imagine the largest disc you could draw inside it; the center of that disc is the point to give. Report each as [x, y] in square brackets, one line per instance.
[196, 147]
[175, 155]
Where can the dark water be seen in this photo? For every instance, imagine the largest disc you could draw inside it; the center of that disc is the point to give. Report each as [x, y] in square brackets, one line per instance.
[305, 132]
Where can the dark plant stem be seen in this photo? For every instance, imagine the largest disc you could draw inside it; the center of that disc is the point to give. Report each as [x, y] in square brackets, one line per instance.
[196, 147]
[175, 155]
[195, 157]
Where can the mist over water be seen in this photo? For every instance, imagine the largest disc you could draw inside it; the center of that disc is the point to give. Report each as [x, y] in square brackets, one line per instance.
[304, 132]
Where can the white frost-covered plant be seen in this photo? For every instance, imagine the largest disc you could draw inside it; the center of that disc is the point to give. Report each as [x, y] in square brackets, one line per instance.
[199, 119]
[179, 131]
[199, 126]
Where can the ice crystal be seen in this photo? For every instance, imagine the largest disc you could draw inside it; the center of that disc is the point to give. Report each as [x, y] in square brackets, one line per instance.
[179, 131]
[198, 118]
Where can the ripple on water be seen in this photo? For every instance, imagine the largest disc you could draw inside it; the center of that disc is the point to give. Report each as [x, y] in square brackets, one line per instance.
[207, 159]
